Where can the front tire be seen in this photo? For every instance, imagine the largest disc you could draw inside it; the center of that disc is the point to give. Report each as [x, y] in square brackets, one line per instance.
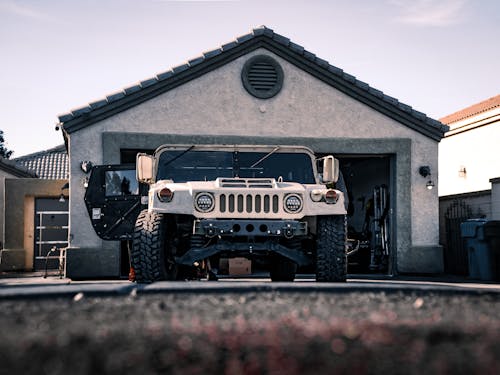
[148, 257]
[331, 258]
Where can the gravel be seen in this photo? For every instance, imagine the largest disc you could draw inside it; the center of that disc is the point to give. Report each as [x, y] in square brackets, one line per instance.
[253, 333]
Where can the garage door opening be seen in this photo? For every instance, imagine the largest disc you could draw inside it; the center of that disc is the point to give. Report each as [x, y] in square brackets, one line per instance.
[370, 235]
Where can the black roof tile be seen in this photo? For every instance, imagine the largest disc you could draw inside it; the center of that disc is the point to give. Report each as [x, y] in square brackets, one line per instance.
[377, 93]
[228, 46]
[336, 70]
[165, 75]
[98, 104]
[196, 60]
[180, 68]
[267, 31]
[405, 107]
[390, 99]
[148, 82]
[322, 63]
[132, 89]
[296, 47]
[259, 31]
[363, 85]
[309, 55]
[114, 97]
[212, 53]
[81, 111]
[281, 39]
[244, 38]
[349, 77]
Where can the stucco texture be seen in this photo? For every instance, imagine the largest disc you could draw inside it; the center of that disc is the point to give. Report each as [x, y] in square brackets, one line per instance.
[216, 104]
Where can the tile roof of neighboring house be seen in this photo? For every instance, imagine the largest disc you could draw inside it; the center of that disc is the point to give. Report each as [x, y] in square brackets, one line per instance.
[473, 110]
[48, 164]
[14, 169]
[261, 37]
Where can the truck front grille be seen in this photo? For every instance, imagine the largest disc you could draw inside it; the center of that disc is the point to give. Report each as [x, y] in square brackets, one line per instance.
[249, 203]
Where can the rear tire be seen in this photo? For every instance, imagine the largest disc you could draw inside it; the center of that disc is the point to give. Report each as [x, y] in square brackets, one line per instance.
[150, 259]
[331, 258]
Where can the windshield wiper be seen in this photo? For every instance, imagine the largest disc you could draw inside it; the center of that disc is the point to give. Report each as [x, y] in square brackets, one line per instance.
[178, 156]
[265, 157]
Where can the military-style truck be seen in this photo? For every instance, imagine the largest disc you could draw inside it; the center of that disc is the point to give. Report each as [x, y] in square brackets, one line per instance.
[271, 204]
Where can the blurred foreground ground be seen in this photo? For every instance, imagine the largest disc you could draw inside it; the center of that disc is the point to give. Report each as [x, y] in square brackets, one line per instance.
[269, 332]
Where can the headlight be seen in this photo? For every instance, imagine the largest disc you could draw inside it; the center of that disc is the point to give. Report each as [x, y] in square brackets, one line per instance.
[293, 203]
[204, 202]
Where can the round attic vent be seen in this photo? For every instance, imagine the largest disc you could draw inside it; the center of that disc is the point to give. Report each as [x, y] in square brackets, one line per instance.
[262, 76]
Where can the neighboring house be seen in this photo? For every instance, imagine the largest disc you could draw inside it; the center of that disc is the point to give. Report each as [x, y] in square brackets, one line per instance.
[264, 89]
[9, 170]
[469, 181]
[34, 217]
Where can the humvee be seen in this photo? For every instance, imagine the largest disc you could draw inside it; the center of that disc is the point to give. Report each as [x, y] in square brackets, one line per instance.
[275, 205]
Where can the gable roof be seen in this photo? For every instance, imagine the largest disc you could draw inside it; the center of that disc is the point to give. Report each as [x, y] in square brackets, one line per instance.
[261, 37]
[472, 110]
[48, 164]
[12, 168]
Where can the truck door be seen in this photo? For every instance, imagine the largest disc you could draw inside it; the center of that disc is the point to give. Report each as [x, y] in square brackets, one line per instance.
[114, 199]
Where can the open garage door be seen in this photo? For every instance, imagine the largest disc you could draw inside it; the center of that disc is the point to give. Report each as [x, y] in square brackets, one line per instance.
[369, 184]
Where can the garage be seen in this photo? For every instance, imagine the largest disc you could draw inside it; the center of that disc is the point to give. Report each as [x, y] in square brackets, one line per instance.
[263, 89]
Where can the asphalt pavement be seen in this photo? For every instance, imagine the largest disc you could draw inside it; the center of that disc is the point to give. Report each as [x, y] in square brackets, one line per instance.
[37, 285]
[368, 325]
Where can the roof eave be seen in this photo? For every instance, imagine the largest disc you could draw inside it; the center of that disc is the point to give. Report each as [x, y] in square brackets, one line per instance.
[277, 44]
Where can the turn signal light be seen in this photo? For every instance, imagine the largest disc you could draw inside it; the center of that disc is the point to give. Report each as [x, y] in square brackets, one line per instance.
[331, 196]
[165, 195]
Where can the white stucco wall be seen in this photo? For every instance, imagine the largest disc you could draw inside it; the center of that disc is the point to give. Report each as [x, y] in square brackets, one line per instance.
[218, 104]
[471, 143]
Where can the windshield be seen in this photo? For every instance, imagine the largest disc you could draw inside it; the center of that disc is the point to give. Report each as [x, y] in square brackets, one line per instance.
[182, 166]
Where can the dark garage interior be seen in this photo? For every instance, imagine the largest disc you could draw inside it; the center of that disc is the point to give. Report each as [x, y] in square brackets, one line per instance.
[368, 182]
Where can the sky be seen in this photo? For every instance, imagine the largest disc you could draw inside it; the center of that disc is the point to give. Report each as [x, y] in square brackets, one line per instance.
[438, 56]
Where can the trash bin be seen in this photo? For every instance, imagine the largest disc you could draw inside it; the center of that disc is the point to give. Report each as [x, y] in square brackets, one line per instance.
[482, 240]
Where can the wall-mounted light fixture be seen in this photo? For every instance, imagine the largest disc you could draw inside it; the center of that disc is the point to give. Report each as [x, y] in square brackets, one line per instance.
[462, 172]
[62, 198]
[86, 166]
[425, 171]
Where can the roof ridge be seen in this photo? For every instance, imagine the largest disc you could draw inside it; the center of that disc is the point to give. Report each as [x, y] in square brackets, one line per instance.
[258, 32]
[57, 149]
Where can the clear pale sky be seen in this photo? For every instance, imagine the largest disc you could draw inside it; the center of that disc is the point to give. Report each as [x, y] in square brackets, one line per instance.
[437, 56]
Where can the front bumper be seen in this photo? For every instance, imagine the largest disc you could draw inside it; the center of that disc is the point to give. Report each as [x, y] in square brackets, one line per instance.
[247, 237]
[250, 228]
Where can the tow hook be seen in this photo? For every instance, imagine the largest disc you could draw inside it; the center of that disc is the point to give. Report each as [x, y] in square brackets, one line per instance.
[211, 231]
[288, 231]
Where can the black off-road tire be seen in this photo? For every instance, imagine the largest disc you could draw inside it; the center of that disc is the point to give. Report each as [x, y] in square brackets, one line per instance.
[282, 269]
[331, 258]
[148, 255]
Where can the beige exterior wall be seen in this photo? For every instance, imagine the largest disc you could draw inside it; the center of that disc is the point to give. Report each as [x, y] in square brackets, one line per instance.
[471, 144]
[217, 104]
[3, 176]
[20, 194]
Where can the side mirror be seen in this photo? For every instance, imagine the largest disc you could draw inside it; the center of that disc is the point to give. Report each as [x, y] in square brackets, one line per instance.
[330, 170]
[144, 168]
